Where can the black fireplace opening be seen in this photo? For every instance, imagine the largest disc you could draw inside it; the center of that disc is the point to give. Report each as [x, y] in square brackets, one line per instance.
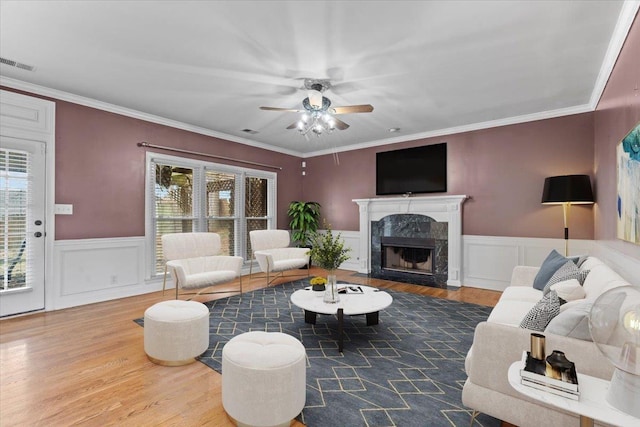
[407, 254]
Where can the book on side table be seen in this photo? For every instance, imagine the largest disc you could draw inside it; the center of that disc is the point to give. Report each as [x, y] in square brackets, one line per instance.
[533, 375]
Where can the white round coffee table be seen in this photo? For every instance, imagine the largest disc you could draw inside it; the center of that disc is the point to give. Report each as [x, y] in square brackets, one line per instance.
[358, 300]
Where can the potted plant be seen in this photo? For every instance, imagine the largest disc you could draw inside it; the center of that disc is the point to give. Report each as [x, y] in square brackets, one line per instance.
[328, 252]
[304, 221]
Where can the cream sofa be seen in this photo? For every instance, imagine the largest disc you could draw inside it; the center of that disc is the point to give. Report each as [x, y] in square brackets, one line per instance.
[500, 341]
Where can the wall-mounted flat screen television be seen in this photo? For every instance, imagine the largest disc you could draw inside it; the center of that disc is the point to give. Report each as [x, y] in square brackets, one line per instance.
[412, 170]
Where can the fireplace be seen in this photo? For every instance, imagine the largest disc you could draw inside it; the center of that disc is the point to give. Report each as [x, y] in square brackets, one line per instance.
[410, 248]
[407, 254]
[438, 218]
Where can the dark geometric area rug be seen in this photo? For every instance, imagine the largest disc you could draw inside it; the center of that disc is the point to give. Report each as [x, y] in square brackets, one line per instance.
[406, 371]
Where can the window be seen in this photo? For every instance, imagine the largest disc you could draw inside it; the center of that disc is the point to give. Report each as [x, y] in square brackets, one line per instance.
[191, 195]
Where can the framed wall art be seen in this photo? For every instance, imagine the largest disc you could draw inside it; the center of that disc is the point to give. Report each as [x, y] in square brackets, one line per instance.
[628, 168]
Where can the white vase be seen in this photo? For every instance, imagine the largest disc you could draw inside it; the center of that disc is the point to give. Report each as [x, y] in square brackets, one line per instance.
[331, 291]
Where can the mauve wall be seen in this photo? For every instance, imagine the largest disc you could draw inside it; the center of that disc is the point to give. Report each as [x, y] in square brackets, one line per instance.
[100, 170]
[617, 113]
[502, 169]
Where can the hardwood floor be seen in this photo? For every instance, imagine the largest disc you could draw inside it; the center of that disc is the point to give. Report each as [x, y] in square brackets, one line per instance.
[86, 365]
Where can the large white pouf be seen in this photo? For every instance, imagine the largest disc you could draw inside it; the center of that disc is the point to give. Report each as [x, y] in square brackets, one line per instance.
[175, 332]
[264, 377]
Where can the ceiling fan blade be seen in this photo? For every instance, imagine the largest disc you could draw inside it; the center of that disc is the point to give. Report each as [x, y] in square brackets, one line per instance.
[282, 109]
[293, 125]
[365, 108]
[340, 124]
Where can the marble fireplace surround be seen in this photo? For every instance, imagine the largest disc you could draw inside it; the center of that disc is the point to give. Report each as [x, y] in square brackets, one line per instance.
[441, 208]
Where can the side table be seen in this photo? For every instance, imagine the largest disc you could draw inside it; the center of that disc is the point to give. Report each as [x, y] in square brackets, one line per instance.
[591, 406]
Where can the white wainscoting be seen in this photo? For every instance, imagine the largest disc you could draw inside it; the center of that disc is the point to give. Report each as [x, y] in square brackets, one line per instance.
[351, 240]
[489, 260]
[624, 265]
[93, 270]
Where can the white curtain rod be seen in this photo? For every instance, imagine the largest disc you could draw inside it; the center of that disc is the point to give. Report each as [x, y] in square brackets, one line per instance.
[180, 150]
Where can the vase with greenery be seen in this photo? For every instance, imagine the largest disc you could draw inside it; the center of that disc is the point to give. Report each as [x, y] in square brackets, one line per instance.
[328, 252]
[304, 221]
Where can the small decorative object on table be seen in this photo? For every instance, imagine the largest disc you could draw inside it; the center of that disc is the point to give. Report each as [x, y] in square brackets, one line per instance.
[331, 292]
[328, 252]
[563, 382]
[317, 283]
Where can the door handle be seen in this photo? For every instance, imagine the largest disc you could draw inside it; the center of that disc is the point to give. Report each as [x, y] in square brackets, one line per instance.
[37, 234]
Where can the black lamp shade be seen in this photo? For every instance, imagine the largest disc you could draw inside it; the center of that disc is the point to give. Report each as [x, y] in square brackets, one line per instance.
[574, 189]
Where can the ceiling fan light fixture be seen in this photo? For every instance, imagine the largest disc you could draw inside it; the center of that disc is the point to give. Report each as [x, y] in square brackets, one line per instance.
[315, 99]
[317, 115]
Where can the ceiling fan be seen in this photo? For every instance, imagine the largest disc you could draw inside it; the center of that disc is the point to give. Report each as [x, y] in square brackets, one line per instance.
[318, 114]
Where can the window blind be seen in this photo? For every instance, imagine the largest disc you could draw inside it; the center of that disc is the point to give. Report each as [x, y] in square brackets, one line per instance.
[15, 194]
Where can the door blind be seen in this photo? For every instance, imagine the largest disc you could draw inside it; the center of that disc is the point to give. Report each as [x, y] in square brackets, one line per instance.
[15, 194]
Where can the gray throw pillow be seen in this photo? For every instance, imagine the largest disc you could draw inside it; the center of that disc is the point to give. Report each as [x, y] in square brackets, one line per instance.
[549, 266]
[541, 314]
[566, 272]
[573, 322]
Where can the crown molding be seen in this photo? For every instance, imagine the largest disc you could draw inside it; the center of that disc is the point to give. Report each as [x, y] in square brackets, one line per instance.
[620, 32]
[128, 112]
[625, 20]
[578, 109]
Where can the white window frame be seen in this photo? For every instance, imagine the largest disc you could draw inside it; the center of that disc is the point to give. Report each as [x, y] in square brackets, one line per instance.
[200, 220]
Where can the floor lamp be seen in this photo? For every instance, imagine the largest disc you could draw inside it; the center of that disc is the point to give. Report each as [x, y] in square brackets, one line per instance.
[567, 190]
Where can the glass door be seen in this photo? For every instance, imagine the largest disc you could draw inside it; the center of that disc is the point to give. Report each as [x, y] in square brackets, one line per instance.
[22, 228]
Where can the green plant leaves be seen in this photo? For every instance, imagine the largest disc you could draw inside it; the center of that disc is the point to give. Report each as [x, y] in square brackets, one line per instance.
[304, 220]
[327, 251]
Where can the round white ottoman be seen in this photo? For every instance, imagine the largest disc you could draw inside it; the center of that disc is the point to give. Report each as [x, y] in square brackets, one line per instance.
[264, 377]
[175, 332]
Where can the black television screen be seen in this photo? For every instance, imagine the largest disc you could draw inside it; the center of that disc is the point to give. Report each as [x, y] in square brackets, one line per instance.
[412, 170]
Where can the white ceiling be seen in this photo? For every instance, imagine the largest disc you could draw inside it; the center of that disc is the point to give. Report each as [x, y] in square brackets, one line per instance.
[427, 67]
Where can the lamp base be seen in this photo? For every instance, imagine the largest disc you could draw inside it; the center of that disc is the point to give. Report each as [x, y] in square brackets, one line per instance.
[624, 392]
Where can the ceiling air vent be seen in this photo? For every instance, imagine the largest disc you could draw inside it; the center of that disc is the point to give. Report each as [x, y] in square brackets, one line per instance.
[16, 64]
[250, 131]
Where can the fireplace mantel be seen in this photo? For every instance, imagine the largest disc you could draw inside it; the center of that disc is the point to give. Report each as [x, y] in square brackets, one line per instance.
[440, 208]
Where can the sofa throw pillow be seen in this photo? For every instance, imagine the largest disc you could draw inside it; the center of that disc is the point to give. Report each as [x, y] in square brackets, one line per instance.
[549, 266]
[541, 314]
[569, 290]
[578, 259]
[566, 272]
[573, 322]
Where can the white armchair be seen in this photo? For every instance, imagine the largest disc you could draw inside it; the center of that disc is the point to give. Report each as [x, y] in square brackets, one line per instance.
[194, 261]
[271, 250]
